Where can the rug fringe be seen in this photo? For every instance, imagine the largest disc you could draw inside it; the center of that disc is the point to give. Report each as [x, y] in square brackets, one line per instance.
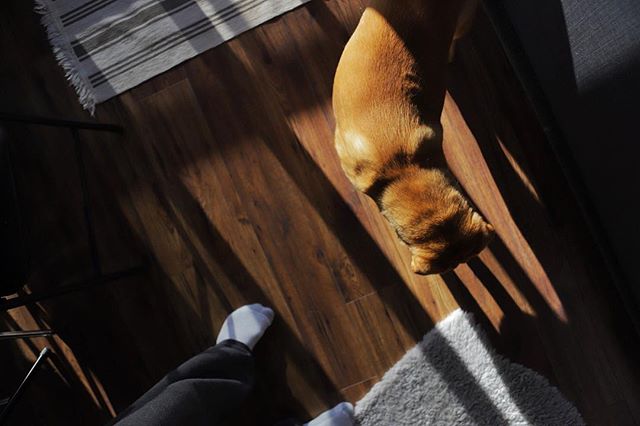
[65, 56]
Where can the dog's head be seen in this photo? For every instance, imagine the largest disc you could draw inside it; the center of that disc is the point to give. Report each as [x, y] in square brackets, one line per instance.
[431, 216]
[451, 243]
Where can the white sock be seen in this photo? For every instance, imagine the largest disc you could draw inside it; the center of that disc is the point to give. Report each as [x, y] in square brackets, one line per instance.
[246, 324]
[340, 415]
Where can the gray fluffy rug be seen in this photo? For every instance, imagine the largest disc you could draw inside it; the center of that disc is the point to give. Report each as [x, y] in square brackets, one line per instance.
[453, 377]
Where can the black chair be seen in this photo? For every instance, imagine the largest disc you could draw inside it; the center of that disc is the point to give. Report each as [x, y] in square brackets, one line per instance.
[14, 254]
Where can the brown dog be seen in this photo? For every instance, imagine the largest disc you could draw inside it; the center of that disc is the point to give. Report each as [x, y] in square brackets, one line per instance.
[387, 98]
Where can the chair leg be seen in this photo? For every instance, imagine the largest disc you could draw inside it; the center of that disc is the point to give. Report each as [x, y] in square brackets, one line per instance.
[10, 404]
[24, 334]
[6, 304]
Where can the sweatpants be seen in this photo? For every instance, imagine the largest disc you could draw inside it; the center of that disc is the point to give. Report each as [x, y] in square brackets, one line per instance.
[202, 391]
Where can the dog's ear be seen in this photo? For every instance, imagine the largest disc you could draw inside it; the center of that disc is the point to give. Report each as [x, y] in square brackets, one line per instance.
[484, 229]
[426, 144]
[420, 264]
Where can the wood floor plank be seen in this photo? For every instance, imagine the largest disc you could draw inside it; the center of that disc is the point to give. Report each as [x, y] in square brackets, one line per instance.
[296, 252]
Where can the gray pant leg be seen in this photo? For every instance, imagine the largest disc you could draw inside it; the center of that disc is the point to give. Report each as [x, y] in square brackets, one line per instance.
[202, 391]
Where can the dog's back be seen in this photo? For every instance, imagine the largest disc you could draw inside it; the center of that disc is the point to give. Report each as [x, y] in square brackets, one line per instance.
[389, 87]
[388, 96]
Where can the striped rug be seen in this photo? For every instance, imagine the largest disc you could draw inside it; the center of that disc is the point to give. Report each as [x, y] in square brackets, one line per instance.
[109, 46]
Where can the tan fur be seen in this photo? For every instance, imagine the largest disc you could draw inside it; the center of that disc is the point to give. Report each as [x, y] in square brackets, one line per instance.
[387, 99]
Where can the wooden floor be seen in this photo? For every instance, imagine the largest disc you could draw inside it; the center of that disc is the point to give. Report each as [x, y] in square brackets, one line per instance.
[226, 182]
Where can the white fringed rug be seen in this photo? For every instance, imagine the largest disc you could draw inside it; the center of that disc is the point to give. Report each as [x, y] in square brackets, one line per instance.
[109, 46]
[453, 377]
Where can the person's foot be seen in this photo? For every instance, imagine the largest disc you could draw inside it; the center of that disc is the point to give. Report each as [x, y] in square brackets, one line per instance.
[246, 324]
[340, 415]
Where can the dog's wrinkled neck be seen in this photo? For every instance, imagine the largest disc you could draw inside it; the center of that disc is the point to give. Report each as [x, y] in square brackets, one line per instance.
[395, 175]
[425, 153]
[392, 175]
